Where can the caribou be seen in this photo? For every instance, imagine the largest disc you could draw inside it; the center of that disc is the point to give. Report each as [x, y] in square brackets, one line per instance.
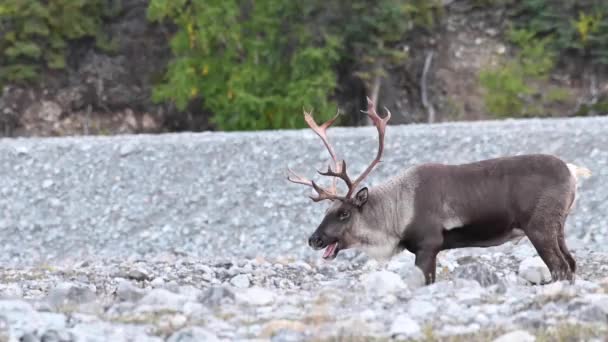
[431, 207]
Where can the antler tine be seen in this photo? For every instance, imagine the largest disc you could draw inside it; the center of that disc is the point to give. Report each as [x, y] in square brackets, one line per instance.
[321, 131]
[323, 193]
[340, 172]
[380, 124]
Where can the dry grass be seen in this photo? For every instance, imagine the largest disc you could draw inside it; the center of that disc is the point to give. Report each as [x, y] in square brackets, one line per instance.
[564, 332]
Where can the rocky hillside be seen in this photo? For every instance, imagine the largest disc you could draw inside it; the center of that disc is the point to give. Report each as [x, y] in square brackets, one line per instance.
[191, 237]
[110, 92]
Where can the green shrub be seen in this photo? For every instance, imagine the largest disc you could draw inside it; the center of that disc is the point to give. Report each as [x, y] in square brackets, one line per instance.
[579, 27]
[504, 88]
[255, 65]
[509, 87]
[534, 56]
[34, 34]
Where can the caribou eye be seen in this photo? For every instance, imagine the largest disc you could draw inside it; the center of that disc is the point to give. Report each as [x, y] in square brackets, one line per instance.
[343, 215]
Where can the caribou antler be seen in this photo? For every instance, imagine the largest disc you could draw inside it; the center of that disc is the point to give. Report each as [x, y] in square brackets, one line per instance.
[323, 193]
[321, 131]
[339, 170]
[380, 124]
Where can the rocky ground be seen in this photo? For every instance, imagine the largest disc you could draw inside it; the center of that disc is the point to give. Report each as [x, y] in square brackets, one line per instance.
[198, 237]
[480, 296]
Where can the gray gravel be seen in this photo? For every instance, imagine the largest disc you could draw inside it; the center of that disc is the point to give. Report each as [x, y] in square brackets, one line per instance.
[225, 194]
[199, 237]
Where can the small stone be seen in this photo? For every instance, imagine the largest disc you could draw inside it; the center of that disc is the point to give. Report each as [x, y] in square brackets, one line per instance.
[11, 290]
[29, 337]
[193, 309]
[597, 311]
[47, 183]
[476, 271]
[56, 336]
[288, 336]
[54, 202]
[157, 282]
[405, 326]
[4, 329]
[22, 150]
[216, 295]
[412, 276]
[273, 327]
[193, 334]
[516, 336]
[178, 321]
[255, 296]
[492, 32]
[380, 283]
[422, 309]
[126, 149]
[128, 292]
[240, 281]
[534, 271]
[69, 294]
[302, 265]
[139, 274]
[163, 298]
[553, 289]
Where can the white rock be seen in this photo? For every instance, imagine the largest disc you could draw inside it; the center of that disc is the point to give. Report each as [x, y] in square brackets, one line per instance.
[11, 290]
[163, 298]
[240, 281]
[302, 264]
[194, 309]
[47, 183]
[139, 273]
[599, 301]
[404, 326]
[382, 283]
[68, 294]
[128, 292]
[190, 291]
[554, 289]
[534, 271]
[456, 330]
[255, 296]
[193, 334]
[178, 321]
[216, 295]
[103, 331]
[516, 336]
[126, 149]
[22, 150]
[420, 308]
[412, 276]
[157, 282]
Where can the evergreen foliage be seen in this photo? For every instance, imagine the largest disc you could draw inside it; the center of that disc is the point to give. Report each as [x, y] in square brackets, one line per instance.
[546, 32]
[257, 64]
[579, 27]
[254, 63]
[34, 34]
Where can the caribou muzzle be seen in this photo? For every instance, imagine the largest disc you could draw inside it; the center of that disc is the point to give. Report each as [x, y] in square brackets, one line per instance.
[319, 241]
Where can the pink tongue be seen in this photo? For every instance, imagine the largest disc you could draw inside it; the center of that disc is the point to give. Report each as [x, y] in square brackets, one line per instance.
[329, 251]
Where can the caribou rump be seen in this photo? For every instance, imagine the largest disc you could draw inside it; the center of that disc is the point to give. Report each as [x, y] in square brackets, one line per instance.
[432, 207]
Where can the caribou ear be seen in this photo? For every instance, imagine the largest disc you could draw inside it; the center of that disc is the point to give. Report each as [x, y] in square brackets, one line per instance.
[361, 197]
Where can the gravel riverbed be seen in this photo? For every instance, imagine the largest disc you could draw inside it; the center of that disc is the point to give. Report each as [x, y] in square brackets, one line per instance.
[199, 237]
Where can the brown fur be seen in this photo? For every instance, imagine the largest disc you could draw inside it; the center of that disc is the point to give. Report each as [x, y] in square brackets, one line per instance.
[434, 207]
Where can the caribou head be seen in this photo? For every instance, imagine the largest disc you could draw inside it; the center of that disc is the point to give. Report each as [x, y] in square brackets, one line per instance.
[346, 223]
